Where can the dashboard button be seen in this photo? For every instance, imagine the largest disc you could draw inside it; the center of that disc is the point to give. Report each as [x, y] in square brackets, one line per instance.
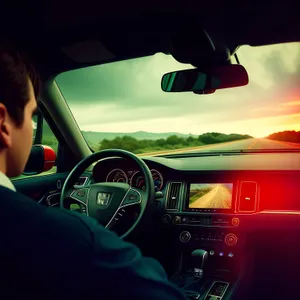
[235, 221]
[211, 252]
[185, 236]
[177, 220]
[166, 219]
[231, 239]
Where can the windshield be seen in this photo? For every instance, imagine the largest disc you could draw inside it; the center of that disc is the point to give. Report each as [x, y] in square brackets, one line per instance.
[121, 105]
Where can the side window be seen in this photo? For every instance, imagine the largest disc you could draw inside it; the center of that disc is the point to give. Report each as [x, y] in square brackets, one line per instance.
[43, 136]
[49, 139]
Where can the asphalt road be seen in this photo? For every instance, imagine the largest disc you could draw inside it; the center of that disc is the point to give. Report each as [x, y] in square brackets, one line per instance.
[247, 144]
[218, 197]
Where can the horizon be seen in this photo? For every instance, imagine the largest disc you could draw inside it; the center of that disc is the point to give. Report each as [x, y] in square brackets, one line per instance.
[183, 133]
[176, 133]
[171, 132]
[166, 132]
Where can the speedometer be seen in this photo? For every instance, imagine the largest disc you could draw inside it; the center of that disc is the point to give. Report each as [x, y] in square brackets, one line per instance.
[138, 180]
[117, 175]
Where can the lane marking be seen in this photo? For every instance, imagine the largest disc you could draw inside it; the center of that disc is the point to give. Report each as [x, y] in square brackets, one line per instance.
[253, 144]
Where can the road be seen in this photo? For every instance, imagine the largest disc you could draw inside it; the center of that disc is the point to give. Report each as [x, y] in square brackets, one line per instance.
[247, 144]
[218, 197]
[252, 144]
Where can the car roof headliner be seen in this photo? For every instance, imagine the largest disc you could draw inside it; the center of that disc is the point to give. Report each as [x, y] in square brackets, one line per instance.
[127, 30]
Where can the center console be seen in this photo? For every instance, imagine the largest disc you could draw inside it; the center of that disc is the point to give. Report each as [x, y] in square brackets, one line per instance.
[207, 219]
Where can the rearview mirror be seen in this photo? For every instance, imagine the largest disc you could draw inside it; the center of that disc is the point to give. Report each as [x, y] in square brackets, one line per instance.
[205, 81]
[41, 159]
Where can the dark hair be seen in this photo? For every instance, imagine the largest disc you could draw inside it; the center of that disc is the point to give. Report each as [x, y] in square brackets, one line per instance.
[14, 87]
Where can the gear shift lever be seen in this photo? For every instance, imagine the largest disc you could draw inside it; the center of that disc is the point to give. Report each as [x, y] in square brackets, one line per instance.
[199, 258]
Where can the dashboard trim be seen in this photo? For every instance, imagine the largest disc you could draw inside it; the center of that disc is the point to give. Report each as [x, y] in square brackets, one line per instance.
[86, 178]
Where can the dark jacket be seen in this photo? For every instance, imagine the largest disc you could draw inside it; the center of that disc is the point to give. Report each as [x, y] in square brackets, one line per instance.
[49, 253]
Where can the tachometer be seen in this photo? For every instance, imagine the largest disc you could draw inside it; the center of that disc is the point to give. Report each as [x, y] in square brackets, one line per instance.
[138, 180]
[117, 175]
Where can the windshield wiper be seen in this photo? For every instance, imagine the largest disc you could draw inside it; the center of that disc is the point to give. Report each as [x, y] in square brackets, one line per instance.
[229, 152]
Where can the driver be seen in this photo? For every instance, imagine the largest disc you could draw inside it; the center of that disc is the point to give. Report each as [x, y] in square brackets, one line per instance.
[54, 253]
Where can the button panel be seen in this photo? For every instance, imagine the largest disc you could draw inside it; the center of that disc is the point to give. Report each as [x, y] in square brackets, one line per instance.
[220, 252]
[80, 194]
[209, 235]
[217, 290]
[133, 197]
[218, 221]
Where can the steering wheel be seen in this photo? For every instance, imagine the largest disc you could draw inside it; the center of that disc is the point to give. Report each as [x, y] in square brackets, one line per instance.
[104, 201]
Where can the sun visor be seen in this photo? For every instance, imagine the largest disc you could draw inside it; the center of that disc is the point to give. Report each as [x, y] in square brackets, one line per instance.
[196, 47]
[89, 51]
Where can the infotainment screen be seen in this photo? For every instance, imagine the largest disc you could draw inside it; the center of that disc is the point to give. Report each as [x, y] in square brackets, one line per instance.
[210, 195]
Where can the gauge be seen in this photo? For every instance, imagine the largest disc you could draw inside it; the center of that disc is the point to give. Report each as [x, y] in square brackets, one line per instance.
[158, 179]
[138, 180]
[117, 175]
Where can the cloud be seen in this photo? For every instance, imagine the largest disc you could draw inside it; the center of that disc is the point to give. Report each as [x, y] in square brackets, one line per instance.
[126, 96]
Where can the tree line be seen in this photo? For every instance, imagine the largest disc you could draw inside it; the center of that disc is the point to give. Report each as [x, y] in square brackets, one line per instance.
[286, 136]
[172, 142]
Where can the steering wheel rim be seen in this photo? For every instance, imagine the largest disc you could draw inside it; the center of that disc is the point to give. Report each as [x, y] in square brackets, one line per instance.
[144, 199]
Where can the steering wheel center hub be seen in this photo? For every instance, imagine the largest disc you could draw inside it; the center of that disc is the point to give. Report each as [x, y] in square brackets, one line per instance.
[104, 199]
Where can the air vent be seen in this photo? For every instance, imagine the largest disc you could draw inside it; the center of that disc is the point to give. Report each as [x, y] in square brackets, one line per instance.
[247, 196]
[173, 196]
[81, 181]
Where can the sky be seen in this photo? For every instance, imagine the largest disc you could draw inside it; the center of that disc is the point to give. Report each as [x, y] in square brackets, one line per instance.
[126, 96]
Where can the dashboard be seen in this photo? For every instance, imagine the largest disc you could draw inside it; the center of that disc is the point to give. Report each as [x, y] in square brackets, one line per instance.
[237, 184]
[243, 209]
[216, 200]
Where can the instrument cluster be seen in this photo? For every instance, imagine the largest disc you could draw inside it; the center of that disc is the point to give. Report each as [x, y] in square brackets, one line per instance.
[135, 178]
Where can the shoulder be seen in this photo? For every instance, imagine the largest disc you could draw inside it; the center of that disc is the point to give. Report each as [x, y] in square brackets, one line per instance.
[25, 217]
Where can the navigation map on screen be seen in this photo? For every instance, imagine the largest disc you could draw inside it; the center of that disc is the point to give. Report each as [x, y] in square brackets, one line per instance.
[211, 195]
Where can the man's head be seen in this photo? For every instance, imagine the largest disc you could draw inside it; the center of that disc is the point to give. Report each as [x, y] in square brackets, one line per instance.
[19, 87]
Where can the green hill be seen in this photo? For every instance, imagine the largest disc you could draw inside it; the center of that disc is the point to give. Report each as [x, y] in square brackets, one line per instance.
[143, 142]
[139, 135]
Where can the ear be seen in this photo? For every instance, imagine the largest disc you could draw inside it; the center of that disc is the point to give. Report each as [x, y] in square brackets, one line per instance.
[5, 128]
